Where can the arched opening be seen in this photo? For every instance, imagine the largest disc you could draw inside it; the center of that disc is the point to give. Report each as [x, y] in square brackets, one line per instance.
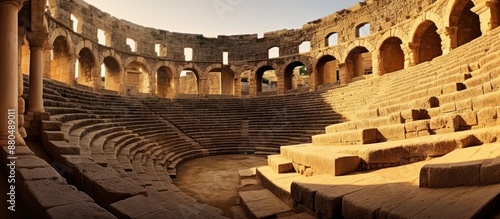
[75, 24]
[274, 52]
[427, 41]
[363, 30]
[60, 66]
[163, 81]
[467, 22]
[296, 76]
[225, 58]
[137, 79]
[132, 45]
[161, 50]
[221, 81]
[85, 67]
[112, 74]
[359, 62]
[327, 70]
[305, 47]
[188, 82]
[245, 83]
[266, 79]
[188, 54]
[392, 57]
[332, 39]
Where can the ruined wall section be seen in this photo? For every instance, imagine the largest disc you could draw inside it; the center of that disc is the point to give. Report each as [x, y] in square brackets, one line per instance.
[381, 14]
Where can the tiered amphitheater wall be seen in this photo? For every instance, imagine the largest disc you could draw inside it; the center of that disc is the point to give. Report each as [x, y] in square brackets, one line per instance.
[404, 20]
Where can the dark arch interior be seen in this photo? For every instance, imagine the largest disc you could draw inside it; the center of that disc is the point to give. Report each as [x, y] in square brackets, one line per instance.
[326, 70]
[429, 42]
[468, 23]
[391, 55]
[259, 74]
[163, 78]
[87, 63]
[359, 62]
[289, 74]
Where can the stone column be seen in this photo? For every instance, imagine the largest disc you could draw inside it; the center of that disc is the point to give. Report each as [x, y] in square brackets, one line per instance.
[252, 82]
[488, 14]
[237, 86]
[36, 40]
[448, 38]
[281, 83]
[202, 87]
[411, 51]
[9, 72]
[345, 77]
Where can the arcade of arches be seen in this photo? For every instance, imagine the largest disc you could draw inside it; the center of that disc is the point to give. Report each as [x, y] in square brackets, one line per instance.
[39, 45]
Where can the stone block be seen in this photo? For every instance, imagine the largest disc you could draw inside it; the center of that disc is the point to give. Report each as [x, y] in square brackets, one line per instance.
[463, 105]
[450, 174]
[410, 115]
[335, 164]
[453, 87]
[83, 210]
[58, 148]
[364, 136]
[487, 117]
[484, 101]
[134, 207]
[280, 164]
[365, 114]
[468, 119]
[110, 190]
[448, 107]
[345, 126]
[42, 195]
[490, 172]
[51, 125]
[445, 124]
[416, 126]
[331, 138]
[391, 133]
[41, 173]
[53, 135]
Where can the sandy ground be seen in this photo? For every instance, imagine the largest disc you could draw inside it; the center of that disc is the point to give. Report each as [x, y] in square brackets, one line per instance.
[214, 180]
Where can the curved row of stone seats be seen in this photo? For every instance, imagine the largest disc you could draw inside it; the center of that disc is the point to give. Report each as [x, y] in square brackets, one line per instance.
[264, 123]
[46, 193]
[450, 99]
[88, 127]
[385, 193]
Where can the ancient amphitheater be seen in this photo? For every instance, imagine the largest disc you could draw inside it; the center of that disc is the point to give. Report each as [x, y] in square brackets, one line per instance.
[401, 121]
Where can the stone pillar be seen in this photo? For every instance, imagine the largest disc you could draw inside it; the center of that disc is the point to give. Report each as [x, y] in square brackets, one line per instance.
[237, 86]
[175, 84]
[488, 14]
[281, 83]
[448, 38]
[345, 77]
[411, 51]
[36, 40]
[252, 81]
[202, 91]
[9, 71]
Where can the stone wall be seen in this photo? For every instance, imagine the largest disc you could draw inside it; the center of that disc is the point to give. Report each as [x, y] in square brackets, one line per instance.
[422, 30]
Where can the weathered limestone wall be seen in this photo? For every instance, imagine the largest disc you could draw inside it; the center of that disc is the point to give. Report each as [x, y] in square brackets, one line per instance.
[419, 31]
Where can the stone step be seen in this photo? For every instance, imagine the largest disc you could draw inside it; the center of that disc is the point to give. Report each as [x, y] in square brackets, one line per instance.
[473, 166]
[363, 136]
[262, 204]
[280, 164]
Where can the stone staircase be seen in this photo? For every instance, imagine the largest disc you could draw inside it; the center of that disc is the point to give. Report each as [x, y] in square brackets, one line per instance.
[383, 162]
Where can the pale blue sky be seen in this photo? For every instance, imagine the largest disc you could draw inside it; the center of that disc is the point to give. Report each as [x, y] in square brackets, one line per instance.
[221, 17]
